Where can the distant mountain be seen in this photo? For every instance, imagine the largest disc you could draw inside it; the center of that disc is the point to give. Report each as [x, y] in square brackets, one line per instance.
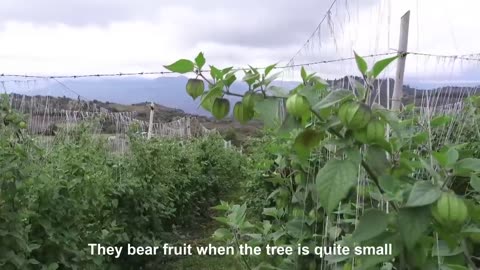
[170, 91]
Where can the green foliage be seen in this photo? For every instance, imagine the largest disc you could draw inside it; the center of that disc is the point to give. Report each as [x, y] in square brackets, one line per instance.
[181, 66]
[54, 203]
[320, 176]
[332, 157]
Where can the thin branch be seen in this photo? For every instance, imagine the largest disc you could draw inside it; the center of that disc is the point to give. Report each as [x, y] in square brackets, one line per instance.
[468, 256]
[205, 78]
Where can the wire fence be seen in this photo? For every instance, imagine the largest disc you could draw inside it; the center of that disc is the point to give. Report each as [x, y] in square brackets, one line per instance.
[468, 57]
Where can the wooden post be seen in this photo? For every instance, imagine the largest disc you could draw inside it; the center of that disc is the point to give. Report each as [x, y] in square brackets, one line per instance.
[402, 49]
[189, 130]
[150, 124]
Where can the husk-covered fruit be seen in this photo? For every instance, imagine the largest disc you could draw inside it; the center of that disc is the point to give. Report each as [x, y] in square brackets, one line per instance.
[354, 115]
[375, 131]
[242, 113]
[297, 105]
[195, 88]
[250, 98]
[220, 108]
[450, 210]
[361, 135]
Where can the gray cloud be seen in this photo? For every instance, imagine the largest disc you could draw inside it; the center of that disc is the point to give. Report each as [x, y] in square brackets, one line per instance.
[249, 23]
[73, 13]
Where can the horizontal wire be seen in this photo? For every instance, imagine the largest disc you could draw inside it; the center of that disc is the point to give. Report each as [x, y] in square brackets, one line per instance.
[467, 57]
[171, 72]
[455, 57]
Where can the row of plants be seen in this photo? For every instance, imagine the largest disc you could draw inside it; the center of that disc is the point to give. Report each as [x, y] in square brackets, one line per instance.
[339, 170]
[55, 201]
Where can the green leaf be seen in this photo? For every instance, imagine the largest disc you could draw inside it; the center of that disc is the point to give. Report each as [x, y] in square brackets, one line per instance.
[361, 90]
[423, 193]
[200, 60]
[216, 73]
[379, 66]
[271, 212]
[361, 64]
[466, 166]
[312, 94]
[298, 229]
[443, 250]
[230, 78]
[222, 234]
[268, 111]
[425, 164]
[237, 215]
[412, 223]
[354, 155]
[271, 78]
[250, 78]
[303, 73]
[440, 121]
[306, 141]
[277, 91]
[391, 118]
[376, 158]
[373, 223]
[421, 137]
[333, 98]
[453, 267]
[289, 123]
[334, 181]
[475, 182]
[181, 66]
[222, 220]
[269, 68]
[209, 97]
[254, 70]
[52, 266]
[446, 158]
[227, 70]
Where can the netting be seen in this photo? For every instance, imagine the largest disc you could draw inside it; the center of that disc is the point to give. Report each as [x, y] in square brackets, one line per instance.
[46, 120]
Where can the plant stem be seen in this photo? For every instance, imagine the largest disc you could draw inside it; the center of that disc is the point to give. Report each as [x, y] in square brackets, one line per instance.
[238, 246]
[228, 93]
[402, 261]
[205, 78]
[467, 255]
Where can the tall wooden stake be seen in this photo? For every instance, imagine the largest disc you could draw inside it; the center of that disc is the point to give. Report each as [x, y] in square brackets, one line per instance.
[150, 124]
[402, 49]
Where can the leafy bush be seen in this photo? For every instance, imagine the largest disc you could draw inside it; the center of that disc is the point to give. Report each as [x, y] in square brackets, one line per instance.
[54, 203]
[350, 173]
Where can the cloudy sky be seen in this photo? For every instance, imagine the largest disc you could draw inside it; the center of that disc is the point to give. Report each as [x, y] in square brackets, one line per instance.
[97, 36]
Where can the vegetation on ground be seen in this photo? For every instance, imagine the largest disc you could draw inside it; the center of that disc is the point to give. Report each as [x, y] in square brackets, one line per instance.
[331, 168]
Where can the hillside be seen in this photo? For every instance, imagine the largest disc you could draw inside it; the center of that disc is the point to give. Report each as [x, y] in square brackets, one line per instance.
[116, 95]
[38, 104]
[170, 91]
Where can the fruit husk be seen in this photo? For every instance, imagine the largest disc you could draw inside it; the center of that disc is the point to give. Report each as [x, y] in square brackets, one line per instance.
[220, 108]
[360, 136]
[297, 105]
[375, 131]
[450, 211]
[195, 88]
[242, 113]
[354, 115]
[250, 98]
[360, 116]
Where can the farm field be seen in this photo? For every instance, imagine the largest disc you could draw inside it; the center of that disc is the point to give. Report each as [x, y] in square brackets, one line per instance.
[171, 135]
[297, 185]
